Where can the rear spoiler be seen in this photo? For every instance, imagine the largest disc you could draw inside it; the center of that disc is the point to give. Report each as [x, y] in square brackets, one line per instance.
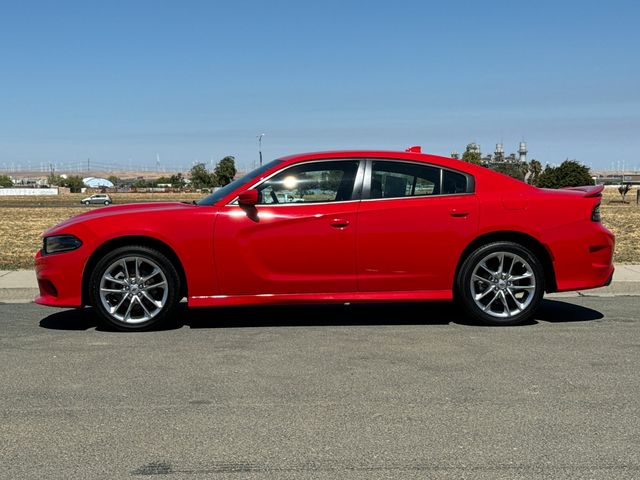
[589, 191]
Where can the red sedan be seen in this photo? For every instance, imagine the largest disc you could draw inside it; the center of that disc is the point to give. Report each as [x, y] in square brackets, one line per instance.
[348, 226]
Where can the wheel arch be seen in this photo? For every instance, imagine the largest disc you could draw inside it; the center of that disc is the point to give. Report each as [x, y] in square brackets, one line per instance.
[134, 240]
[524, 239]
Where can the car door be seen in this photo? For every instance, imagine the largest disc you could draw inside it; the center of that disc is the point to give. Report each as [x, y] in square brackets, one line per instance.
[413, 223]
[299, 238]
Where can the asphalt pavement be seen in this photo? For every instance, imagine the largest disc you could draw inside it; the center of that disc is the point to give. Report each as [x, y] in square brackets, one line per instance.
[333, 392]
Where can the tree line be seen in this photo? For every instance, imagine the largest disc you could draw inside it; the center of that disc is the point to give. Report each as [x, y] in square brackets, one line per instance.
[199, 177]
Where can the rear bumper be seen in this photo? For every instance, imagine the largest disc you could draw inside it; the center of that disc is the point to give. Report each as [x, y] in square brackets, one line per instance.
[585, 262]
[60, 278]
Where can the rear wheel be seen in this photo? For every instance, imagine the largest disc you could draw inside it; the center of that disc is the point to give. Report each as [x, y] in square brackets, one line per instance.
[107, 202]
[134, 288]
[501, 283]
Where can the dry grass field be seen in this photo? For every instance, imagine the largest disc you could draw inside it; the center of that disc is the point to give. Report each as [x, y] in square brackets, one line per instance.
[23, 219]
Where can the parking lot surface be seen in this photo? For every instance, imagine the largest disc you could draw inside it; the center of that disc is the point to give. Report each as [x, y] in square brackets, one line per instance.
[331, 392]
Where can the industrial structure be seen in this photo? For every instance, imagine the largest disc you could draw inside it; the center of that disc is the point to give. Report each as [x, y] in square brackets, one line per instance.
[498, 156]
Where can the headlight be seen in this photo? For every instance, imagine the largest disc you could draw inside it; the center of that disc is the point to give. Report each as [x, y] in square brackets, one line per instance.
[60, 243]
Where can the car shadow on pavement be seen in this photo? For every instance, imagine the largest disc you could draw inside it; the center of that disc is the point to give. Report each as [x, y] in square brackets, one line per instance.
[551, 311]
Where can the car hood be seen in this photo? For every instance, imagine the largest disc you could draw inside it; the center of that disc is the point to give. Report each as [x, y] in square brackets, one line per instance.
[114, 210]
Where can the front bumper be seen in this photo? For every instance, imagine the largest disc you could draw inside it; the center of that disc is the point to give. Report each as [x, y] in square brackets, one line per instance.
[60, 278]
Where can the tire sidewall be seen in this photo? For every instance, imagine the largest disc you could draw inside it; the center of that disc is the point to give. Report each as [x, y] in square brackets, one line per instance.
[463, 286]
[169, 270]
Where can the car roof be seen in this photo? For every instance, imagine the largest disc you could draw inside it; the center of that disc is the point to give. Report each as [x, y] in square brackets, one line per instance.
[387, 154]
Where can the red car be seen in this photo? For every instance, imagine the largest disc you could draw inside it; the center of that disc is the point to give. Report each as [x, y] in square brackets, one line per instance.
[347, 226]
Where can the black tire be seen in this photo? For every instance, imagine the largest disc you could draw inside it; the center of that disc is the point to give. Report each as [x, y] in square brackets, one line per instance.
[107, 202]
[87, 202]
[168, 269]
[465, 292]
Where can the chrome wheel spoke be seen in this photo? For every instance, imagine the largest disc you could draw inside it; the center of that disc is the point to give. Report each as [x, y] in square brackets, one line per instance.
[505, 304]
[111, 290]
[137, 263]
[480, 296]
[151, 275]
[522, 277]
[155, 302]
[481, 279]
[112, 310]
[141, 303]
[519, 305]
[155, 285]
[483, 265]
[523, 287]
[129, 308]
[112, 279]
[124, 267]
[486, 307]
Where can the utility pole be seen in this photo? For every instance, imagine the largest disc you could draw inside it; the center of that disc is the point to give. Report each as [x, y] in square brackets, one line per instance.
[260, 146]
[88, 164]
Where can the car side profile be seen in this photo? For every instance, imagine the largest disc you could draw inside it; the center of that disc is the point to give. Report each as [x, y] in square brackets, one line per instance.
[97, 199]
[345, 226]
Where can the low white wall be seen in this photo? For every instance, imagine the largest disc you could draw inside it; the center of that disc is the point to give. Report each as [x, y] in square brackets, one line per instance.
[6, 192]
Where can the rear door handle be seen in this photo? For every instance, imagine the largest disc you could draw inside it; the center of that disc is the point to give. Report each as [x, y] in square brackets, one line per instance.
[456, 212]
[339, 223]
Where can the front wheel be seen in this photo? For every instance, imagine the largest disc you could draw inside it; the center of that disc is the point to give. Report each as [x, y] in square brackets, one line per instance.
[501, 283]
[134, 288]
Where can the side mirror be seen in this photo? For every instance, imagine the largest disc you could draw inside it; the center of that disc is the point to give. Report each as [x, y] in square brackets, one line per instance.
[248, 198]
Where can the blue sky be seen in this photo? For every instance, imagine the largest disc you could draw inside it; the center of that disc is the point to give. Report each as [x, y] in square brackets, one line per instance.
[122, 81]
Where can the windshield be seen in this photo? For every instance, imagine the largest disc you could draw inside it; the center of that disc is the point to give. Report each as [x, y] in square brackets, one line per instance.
[227, 189]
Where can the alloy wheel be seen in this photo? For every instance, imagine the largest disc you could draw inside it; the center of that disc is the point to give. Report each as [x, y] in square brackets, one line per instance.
[503, 284]
[133, 289]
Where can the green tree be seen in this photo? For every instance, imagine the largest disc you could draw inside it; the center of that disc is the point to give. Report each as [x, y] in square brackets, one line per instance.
[515, 170]
[225, 171]
[177, 180]
[73, 183]
[55, 180]
[142, 183]
[200, 177]
[470, 156]
[115, 180]
[535, 169]
[5, 181]
[569, 174]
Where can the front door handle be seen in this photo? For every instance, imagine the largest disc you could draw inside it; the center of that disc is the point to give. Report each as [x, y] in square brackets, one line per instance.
[456, 212]
[339, 223]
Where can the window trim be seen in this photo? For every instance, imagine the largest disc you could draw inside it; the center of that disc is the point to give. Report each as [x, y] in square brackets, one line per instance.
[366, 187]
[356, 193]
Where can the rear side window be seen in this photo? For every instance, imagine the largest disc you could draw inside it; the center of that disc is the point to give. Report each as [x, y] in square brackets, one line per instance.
[400, 179]
[453, 182]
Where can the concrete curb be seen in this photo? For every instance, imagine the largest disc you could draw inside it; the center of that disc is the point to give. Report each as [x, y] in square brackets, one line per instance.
[20, 286]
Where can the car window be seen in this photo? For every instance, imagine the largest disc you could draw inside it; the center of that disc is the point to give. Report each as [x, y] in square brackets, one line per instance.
[402, 179]
[329, 181]
[453, 182]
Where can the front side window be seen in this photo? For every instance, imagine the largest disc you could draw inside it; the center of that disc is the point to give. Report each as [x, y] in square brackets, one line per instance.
[314, 182]
[401, 179]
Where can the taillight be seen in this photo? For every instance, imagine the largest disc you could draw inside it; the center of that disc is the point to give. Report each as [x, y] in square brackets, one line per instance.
[595, 214]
